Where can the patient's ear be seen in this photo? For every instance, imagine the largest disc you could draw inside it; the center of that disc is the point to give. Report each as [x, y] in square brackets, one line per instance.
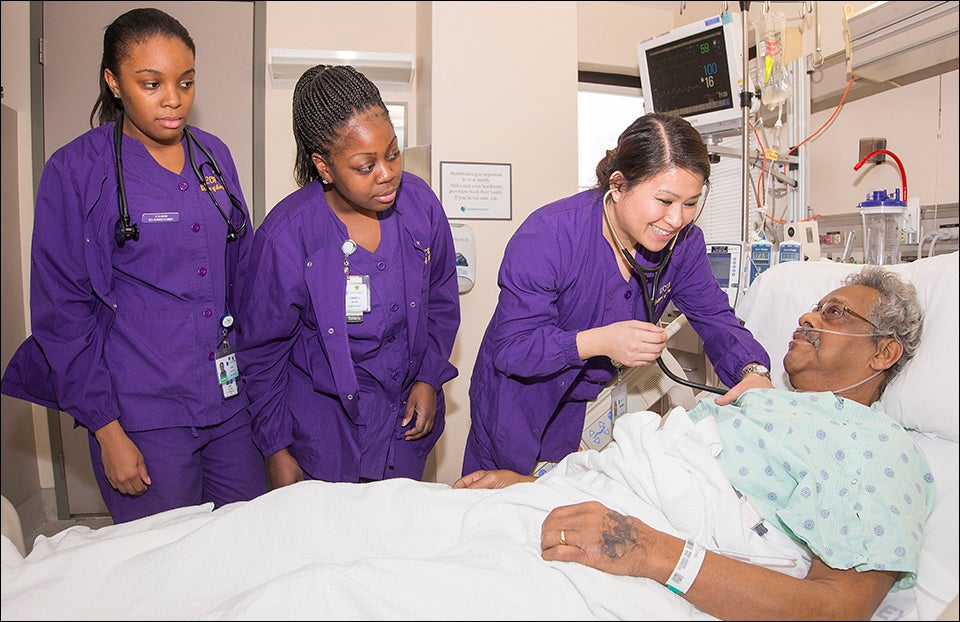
[888, 353]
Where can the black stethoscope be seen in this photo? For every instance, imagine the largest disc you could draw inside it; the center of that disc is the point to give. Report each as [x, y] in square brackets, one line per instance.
[648, 297]
[125, 230]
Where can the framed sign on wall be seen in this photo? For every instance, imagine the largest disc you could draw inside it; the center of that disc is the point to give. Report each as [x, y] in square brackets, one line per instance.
[476, 190]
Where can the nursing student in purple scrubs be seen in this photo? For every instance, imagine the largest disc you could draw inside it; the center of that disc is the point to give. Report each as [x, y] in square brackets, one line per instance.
[351, 298]
[571, 310]
[140, 231]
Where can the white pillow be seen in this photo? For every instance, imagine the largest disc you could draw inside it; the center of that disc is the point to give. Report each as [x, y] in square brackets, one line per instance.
[925, 396]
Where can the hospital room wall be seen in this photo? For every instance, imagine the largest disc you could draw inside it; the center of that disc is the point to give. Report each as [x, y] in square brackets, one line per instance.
[497, 82]
[504, 90]
[919, 123]
[520, 79]
[25, 452]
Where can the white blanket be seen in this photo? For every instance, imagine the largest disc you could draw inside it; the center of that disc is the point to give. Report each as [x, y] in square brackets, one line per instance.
[398, 549]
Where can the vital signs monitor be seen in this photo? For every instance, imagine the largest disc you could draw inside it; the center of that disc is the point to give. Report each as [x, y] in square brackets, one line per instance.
[725, 261]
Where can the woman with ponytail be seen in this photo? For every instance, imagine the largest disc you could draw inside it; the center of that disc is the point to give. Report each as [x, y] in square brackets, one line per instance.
[574, 298]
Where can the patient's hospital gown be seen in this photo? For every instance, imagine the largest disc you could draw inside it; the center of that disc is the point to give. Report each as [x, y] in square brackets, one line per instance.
[844, 478]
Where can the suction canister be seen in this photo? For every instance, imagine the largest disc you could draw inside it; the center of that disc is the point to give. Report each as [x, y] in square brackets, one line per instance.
[883, 216]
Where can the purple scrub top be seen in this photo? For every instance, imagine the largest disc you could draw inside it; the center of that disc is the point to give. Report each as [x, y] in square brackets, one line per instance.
[130, 333]
[333, 394]
[529, 388]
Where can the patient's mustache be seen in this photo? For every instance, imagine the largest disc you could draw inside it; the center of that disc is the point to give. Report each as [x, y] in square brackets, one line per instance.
[809, 335]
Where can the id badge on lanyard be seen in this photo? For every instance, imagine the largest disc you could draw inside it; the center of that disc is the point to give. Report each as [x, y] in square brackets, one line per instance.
[358, 297]
[226, 361]
[618, 396]
[358, 287]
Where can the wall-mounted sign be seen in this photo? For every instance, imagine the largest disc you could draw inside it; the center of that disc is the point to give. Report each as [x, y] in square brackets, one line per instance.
[476, 190]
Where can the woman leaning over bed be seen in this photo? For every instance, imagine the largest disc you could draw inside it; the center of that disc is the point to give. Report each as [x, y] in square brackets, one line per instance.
[575, 305]
[824, 466]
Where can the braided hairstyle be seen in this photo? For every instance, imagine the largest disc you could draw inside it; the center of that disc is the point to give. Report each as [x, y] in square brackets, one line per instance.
[132, 28]
[325, 99]
[652, 144]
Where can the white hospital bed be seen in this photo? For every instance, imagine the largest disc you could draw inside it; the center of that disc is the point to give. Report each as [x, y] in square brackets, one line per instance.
[410, 550]
[925, 398]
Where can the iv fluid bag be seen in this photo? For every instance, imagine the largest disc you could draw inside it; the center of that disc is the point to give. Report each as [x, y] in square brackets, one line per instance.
[775, 87]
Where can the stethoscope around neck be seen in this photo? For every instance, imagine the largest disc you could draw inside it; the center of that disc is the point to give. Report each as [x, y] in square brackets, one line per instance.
[648, 296]
[125, 230]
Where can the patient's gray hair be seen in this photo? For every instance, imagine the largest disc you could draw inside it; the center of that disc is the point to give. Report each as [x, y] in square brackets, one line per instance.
[897, 312]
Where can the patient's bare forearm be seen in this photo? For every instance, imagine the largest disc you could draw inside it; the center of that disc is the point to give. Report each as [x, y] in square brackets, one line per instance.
[734, 590]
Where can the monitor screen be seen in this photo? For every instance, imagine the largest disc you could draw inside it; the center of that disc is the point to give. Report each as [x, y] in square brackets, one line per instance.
[725, 261]
[695, 72]
[720, 262]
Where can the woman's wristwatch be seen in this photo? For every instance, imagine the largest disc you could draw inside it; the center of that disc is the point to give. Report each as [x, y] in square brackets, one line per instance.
[755, 368]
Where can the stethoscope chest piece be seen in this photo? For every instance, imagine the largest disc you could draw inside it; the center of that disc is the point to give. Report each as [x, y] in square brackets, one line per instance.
[124, 231]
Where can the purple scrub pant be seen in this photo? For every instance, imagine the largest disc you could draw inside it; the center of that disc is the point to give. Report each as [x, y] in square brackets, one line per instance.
[188, 466]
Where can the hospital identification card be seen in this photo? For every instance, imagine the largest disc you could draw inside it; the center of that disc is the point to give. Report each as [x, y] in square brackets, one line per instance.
[227, 371]
[358, 297]
[618, 399]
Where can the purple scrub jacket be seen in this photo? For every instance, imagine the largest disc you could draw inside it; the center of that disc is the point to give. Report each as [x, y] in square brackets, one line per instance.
[309, 394]
[529, 388]
[128, 333]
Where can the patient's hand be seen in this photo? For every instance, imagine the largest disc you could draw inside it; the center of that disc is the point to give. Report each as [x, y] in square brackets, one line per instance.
[492, 479]
[592, 534]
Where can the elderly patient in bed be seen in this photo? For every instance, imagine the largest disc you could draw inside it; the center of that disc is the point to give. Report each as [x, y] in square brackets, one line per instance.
[807, 504]
[823, 466]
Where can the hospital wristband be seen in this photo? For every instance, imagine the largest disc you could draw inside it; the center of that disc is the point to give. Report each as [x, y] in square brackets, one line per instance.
[687, 568]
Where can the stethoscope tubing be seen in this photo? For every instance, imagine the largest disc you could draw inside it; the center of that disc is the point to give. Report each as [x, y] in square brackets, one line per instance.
[124, 230]
[657, 271]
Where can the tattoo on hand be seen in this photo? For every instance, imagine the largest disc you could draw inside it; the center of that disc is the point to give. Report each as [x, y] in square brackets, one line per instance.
[619, 536]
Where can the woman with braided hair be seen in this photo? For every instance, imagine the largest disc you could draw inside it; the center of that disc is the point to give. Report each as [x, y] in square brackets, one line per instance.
[353, 299]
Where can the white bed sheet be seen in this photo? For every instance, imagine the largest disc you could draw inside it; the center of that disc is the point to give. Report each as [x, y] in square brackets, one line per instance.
[938, 578]
[401, 549]
[410, 550]
[396, 549]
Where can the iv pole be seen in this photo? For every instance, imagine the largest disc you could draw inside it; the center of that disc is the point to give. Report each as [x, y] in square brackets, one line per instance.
[746, 100]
